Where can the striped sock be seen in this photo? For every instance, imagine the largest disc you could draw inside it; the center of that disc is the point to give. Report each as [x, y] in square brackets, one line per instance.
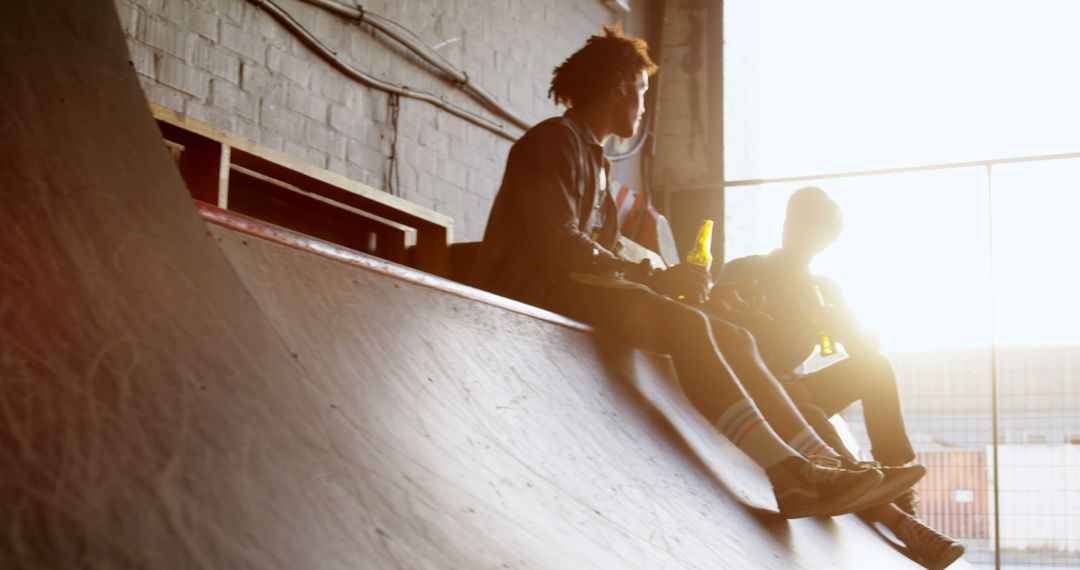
[808, 443]
[744, 425]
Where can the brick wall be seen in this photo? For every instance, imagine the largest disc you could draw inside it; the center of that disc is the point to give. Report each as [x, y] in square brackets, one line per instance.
[229, 63]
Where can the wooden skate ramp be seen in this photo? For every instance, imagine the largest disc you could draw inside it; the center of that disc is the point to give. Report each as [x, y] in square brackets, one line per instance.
[496, 421]
[163, 405]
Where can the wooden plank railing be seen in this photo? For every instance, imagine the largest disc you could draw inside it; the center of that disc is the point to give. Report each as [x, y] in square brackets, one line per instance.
[233, 173]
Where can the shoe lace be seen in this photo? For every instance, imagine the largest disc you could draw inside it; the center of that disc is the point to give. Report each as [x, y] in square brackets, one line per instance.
[826, 462]
[844, 463]
[908, 502]
[827, 469]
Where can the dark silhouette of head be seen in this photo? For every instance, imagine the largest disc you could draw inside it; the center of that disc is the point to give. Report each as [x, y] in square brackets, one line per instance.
[813, 221]
[610, 73]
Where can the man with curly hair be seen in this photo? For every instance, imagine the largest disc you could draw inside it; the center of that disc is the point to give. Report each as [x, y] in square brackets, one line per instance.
[552, 241]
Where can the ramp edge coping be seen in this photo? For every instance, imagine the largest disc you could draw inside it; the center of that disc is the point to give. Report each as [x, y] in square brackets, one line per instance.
[243, 224]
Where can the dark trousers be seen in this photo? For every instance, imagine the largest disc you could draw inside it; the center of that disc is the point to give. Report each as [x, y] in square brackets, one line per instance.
[871, 380]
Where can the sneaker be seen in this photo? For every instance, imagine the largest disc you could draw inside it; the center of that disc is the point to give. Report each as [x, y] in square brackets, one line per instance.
[931, 548]
[806, 489]
[909, 503]
[896, 481]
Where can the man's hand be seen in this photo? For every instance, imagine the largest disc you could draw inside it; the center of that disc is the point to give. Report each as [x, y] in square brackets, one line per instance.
[738, 302]
[841, 324]
[686, 281]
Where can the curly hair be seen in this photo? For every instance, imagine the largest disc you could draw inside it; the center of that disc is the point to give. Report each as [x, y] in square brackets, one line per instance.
[606, 67]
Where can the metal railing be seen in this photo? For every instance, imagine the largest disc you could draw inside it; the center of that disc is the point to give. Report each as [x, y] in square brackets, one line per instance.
[980, 467]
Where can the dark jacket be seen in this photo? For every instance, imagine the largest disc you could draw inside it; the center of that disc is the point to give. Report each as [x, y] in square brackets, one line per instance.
[548, 219]
[788, 290]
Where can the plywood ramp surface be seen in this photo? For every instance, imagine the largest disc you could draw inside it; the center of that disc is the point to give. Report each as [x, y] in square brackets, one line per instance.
[485, 424]
[165, 406]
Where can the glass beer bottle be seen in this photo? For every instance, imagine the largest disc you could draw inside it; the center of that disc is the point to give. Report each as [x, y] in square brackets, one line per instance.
[701, 253]
[827, 347]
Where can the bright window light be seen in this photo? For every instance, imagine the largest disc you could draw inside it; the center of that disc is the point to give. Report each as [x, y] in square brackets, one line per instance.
[837, 86]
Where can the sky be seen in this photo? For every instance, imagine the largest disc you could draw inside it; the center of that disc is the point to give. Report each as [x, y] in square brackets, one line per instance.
[932, 260]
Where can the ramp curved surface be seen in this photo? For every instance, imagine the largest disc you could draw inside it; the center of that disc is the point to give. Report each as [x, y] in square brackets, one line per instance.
[178, 397]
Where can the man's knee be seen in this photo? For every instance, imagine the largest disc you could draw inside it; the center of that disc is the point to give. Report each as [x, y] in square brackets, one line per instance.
[680, 317]
[668, 322]
[798, 393]
[878, 369]
[731, 336]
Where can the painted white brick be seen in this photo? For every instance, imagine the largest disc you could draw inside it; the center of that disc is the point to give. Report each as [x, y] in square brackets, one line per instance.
[413, 154]
[204, 24]
[218, 61]
[306, 103]
[321, 137]
[242, 42]
[163, 94]
[128, 13]
[201, 111]
[249, 130]
[230, 10]
[426, 200]
[363, 155]
[407, 175]
[281, 120]
[378, 105]
[337, 166]
[345, 119]
[177, 11]
[452, 172]
[255, 133]
[451, 127]
[304, 152]
[426, 182]
[191, 16]
[270, 30]
[333, 87]
[364, 175]
[450, 198]
[521, 95]
[412, 115]
[176, 73]
[143, 58]
[228, 96]
[166, 36]
[328, 27]
[481, 184]
[256, 80]
[154, 6]
[466, 155]
[279, 94]
[432, 139]
[291, 67]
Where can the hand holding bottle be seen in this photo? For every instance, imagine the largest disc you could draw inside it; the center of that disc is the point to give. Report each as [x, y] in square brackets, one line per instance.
[825, 341]
[699, 256]
[740, 303]
[685, 281]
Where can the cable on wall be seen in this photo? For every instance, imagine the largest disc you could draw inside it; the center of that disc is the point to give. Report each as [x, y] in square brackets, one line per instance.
[393, 175]
[408, 39]
[371, 81]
